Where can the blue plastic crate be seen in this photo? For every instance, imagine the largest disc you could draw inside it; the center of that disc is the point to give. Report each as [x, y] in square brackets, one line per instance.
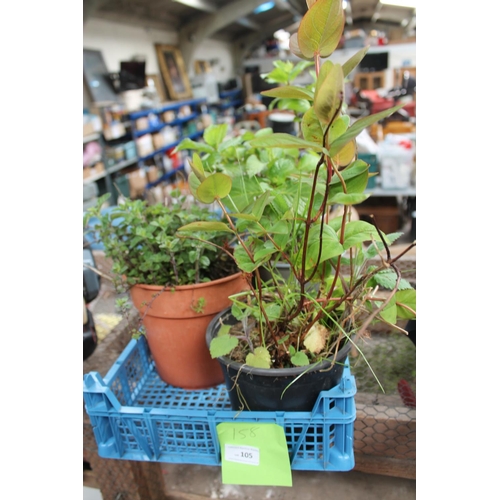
[137, 416]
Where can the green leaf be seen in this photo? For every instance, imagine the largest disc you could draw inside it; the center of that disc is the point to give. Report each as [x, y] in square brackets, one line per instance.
[194, 183]
[349, 198]
[223, 330]
[299, 68]
[222, 345]
[389, 313]
[339, 126]
[321, 28]
[311, 127]
[355, 178]
[386, 279]
[407, 298]
[277, 75]
[298, 105]
[273, 311]
[290, 92]
[260, 358]
[282, 140]
[258, 206]
[351, 63]
[359, 231]
[295, 49]
[358, 126]
[197, 167]
[329, 91]
[330, 247]
[206, 226]
[254, 166]
[216, 186]
[265, 252]
[193, 145]
[243, 261]
[214, 134]
[371, 251]
[299, 359]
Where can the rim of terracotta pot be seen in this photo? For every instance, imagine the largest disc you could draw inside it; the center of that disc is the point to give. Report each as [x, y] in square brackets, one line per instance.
[194, 285]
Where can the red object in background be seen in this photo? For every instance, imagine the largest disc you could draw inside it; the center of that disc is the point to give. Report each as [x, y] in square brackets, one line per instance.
[377, 103]
[411, 108]
[407, 394]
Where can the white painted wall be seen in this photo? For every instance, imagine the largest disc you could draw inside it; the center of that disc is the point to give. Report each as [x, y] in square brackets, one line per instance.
[119, 42]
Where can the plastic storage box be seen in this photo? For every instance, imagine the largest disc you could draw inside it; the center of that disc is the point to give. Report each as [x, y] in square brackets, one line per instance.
[372, 160]
[136, 416]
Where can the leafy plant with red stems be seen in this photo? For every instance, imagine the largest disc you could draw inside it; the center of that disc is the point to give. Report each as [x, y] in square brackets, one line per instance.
[342, 276]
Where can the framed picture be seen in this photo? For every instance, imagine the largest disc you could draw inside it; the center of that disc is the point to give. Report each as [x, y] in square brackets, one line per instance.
[154, 81]
[201, 67]
[173, 71]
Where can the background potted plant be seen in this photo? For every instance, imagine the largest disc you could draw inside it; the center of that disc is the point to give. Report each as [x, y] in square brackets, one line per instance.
[291, 336]
[177, 283]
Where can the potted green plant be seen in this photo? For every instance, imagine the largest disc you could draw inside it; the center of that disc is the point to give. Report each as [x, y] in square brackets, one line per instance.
[177, 283]
[287, 338]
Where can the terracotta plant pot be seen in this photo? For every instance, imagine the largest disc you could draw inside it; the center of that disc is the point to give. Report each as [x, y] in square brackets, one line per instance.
[176, 322]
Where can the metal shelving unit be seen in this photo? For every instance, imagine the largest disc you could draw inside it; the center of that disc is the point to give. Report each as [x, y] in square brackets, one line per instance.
[109, 169]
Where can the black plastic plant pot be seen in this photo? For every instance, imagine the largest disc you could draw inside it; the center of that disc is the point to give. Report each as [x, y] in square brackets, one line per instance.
[271, 389]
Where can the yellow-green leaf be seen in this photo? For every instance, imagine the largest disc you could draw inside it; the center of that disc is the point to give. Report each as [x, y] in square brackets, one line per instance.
[206, 226]
[315, 339]
[194, 183]
[216, 186]
[222, 345]
[358, 126]
[351, 63]
[197, 166]
[311, 127]
[346, 155]
[260, 358]
[329, 91]
[289, 92]
[295, 49]
[321, 28]
[281, 140]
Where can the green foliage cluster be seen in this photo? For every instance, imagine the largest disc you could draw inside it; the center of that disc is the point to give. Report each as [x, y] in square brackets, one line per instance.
[145, 247]
[276, 191]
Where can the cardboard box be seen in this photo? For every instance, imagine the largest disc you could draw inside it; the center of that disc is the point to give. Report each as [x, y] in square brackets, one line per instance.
[152, 173]
[137, 183]
[99, 167]
[88, 129]
[168, 116]
[142, 123]
[158, 141]
[145, 145]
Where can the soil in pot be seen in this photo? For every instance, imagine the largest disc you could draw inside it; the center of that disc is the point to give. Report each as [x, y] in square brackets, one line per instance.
[287, 389]
[176, 322]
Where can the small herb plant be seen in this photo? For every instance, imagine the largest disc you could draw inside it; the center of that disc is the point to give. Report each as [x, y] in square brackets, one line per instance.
[276, 192]
[143, 243]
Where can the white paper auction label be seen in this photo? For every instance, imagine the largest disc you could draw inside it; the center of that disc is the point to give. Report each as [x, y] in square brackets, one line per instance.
[242, 454]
